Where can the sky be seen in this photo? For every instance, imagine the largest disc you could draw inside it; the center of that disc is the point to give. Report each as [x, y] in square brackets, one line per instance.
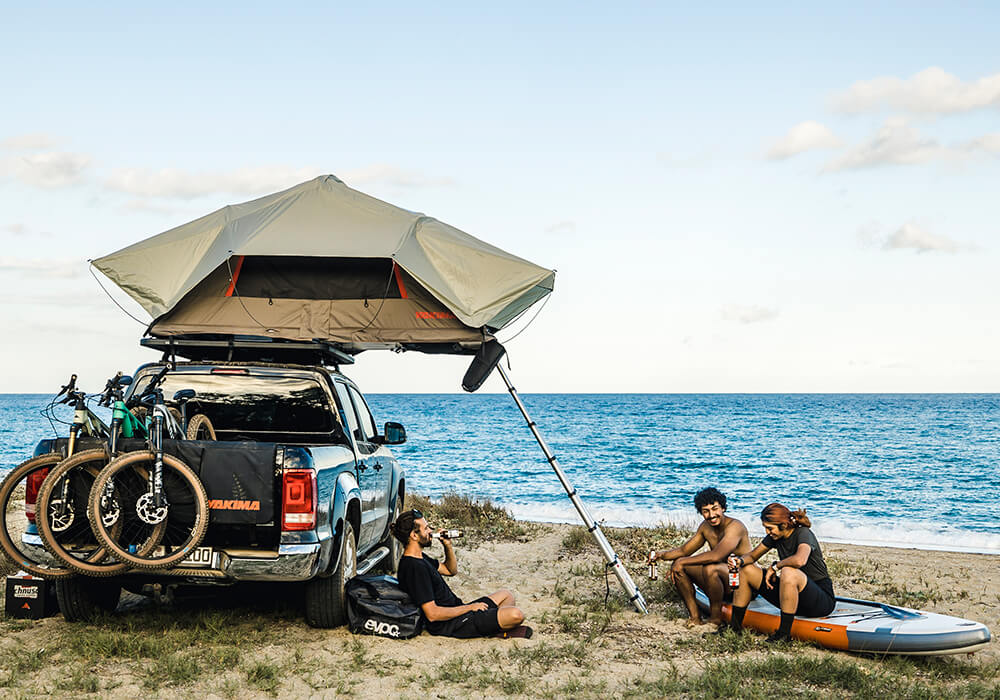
[737, 198]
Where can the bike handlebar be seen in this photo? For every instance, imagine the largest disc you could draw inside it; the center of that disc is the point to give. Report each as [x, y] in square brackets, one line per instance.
[68, 387]
[111, 391]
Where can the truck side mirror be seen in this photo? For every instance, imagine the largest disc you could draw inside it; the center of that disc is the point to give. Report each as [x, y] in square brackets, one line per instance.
[124, 380]
[395, 434]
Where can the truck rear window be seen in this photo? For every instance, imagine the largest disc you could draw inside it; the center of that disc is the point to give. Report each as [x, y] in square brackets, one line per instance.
[257, 407]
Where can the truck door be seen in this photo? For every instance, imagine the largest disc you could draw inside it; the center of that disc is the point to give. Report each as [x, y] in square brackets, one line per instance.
[375, 459]
[365, 470]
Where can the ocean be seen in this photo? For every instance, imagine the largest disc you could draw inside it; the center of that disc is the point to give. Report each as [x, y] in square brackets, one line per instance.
[906, 470]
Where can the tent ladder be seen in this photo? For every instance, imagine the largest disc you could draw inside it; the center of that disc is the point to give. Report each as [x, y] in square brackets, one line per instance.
[613, 562]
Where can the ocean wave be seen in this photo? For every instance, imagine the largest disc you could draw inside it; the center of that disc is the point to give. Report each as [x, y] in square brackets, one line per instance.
[874, 533]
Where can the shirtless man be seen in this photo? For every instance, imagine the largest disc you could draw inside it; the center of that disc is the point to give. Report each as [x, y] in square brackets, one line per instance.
[709, 570]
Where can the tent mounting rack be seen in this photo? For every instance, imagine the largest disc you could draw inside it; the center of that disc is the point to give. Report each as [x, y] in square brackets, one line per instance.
[249, 349]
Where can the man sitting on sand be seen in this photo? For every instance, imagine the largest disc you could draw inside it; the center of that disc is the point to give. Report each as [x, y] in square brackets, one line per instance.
[444, 612]
[709, 570]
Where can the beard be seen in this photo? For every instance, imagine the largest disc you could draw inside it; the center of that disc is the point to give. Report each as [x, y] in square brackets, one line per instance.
[425, 542]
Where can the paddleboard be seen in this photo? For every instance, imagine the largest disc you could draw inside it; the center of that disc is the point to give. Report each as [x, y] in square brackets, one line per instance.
[866, 626]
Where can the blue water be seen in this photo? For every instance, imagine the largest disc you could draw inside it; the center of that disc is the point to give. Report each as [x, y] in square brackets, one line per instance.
[902, 469]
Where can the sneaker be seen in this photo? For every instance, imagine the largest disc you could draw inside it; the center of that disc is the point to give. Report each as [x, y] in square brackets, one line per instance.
[778, 638]
[519, 632]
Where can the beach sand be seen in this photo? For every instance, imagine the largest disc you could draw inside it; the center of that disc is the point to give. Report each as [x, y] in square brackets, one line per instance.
[214, 647]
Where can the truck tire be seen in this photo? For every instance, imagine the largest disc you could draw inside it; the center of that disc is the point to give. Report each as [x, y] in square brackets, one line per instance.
[84, 598]
[326, 601]
[390, 563]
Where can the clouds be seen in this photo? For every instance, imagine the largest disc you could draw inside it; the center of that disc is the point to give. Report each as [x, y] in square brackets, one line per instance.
[806, 136]
[748, 314]
[912, 237]
[931, 91]
[28, 142]
[561, 227]
[896, 142]
[46, 170]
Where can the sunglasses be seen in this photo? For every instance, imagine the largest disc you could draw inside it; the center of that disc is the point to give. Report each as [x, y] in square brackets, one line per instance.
[417, 515]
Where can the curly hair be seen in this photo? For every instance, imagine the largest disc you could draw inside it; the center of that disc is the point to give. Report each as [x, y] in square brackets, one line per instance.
[707, 497]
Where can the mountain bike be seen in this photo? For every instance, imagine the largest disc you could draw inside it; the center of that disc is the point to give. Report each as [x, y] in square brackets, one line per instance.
[151, 490]
[20, 488]
[62, 518]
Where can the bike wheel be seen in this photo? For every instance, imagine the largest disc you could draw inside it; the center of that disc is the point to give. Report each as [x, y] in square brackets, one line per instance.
[15, 519]
[183, 514]
[63, 519]
[200, 428]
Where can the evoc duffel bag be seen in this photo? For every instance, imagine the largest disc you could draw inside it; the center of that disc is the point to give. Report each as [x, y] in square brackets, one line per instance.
[377, 605]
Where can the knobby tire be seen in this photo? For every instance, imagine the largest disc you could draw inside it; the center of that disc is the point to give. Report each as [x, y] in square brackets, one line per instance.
[187, 514]
[8, 487]
[81, 469]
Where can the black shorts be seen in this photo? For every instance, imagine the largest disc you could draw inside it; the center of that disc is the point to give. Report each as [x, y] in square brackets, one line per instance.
[815, 600]
[480, 623]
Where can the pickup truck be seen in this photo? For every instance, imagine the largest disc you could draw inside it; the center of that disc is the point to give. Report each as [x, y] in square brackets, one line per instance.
[301, 484]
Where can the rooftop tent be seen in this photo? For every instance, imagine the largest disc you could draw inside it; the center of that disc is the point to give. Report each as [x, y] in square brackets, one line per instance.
[323, 261]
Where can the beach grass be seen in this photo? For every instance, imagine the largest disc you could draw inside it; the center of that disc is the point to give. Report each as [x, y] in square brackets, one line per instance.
[481, 520]
[588, 643]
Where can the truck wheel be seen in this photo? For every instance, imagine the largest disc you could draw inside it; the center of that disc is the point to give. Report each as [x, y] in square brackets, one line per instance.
[326, 602]
[82, 599]
[390, 563]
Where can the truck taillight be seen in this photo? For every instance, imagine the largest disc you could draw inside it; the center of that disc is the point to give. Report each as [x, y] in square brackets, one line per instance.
[31, 488]
[298, 499]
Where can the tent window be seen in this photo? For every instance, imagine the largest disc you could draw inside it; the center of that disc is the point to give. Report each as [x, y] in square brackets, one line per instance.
[280, 277]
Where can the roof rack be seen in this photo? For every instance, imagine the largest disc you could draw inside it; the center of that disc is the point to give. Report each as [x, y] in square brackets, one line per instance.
[239, 348]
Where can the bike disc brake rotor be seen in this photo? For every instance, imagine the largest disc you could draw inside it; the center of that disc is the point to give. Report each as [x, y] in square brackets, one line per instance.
[61, 515]
[148, 513]
[110, 510]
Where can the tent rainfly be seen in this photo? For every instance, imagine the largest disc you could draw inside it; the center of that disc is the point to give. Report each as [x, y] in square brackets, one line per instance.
[321, 261]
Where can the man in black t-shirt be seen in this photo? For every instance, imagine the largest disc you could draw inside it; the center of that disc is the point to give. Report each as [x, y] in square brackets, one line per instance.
[444, 612]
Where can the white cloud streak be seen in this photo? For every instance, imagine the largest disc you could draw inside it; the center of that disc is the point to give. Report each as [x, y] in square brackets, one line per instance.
[911, 237]
[898, 143]
[748, 314]
[806, 136]
[28, 142]
[895, 143]
[931, 91]
[46, 170]
[561, 227]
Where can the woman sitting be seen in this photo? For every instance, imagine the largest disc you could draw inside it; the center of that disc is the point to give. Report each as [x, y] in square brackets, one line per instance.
[798, 583]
